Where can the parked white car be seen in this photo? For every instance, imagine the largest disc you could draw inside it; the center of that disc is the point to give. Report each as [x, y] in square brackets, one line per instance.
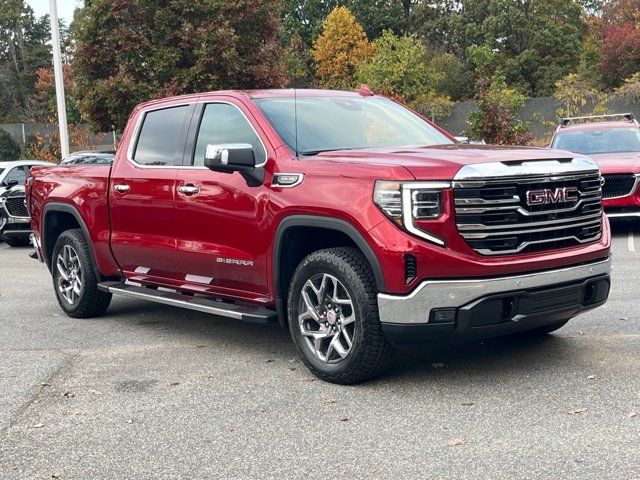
[16, 173]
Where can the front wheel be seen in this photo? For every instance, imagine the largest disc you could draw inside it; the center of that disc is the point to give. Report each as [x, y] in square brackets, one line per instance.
[333, 317]
[74, 277]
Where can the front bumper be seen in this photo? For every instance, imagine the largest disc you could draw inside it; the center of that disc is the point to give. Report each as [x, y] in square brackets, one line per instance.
[437, 309]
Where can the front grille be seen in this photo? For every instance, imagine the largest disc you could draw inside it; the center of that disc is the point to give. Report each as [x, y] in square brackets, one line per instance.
[618, 185]
[16, 207]
[529, 214]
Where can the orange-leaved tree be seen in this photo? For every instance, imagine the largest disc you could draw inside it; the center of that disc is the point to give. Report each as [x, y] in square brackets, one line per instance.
[340, 49]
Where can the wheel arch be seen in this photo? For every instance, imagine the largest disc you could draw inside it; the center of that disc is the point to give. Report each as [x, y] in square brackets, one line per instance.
[334, 232]
[57, 218]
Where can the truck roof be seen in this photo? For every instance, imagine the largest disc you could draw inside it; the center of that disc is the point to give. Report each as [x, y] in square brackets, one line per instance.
[597, 126]
[259, 93]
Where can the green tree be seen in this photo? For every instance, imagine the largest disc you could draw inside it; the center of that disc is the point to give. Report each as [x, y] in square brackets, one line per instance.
[9, 148]
[306, 17]
[23, 50]
[129, 51]
[340, 49]
[536, 42]
[398, 68]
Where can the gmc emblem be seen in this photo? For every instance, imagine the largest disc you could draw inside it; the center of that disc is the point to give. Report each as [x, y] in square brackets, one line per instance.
[546, 196]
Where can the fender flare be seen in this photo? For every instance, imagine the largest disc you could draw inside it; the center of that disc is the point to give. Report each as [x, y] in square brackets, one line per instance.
[67, 208]
[328, 223]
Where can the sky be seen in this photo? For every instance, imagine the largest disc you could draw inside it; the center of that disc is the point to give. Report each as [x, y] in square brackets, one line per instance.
[65, 8]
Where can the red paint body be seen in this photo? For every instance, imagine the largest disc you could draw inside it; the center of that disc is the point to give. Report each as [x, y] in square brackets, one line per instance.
[155, 235]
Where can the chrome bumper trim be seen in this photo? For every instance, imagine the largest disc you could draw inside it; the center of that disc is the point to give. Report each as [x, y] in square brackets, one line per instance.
[623, 215]
[416, 307]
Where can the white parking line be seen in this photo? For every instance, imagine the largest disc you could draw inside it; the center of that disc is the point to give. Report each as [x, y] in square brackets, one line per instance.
[631, 242]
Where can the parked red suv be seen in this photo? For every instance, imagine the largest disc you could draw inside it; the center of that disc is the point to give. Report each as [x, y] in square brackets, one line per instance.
[344, 216]
[614, 142]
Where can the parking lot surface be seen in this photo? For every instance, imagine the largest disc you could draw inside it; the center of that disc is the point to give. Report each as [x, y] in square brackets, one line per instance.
[150, 391]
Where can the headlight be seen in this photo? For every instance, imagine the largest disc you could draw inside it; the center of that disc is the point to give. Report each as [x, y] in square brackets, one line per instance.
[404, 202]
[388, 198]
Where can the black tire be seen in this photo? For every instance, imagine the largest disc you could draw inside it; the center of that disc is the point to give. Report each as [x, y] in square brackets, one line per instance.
[91, 302]
[17, 241]
[370, 350]
[545, 330]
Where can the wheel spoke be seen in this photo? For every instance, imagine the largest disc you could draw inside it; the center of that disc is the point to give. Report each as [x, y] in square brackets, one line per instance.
[347, 337]
[311, 309]
[337, 346]
[62, 270]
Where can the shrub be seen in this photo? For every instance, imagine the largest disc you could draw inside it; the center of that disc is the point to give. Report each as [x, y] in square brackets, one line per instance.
[495, 119]
[9, 148]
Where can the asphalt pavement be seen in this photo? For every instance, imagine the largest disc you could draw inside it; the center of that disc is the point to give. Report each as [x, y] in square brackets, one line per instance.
[150, 391]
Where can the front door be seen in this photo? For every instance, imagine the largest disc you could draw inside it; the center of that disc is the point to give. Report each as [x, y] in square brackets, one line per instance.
[223, 241]
[142, 195]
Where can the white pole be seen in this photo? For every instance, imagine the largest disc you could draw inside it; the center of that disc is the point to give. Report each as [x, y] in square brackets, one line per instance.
[57, 73]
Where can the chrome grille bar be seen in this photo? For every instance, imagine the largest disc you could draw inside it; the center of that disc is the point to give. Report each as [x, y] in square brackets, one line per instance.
[499, 215]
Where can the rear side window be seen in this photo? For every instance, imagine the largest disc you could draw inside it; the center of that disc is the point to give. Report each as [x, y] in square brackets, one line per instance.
[160, 135]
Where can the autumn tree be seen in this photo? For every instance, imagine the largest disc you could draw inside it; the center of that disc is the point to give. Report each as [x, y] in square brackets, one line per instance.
[619, 53]
[340, 49]
[574, 94]
[130, 51]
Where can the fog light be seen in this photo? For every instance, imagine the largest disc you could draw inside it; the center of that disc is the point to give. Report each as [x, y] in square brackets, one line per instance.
[442, 315]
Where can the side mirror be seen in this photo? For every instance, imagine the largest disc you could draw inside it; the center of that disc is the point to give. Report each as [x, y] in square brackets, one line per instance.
[229, 157]
[234, 157]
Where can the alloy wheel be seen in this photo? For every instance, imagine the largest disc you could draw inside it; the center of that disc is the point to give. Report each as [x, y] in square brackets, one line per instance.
[70, 281]
[326, 318]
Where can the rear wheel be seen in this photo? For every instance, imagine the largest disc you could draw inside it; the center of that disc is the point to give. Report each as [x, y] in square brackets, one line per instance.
[333, 317]
[74, 278]
[17, 241]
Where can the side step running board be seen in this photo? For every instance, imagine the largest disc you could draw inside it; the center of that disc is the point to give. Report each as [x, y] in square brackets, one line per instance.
[246, 313]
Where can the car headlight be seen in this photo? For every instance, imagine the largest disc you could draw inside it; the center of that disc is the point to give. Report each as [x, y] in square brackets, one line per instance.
[405, 202]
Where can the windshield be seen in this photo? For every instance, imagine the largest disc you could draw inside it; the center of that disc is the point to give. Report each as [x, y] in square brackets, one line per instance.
[344, 123]
[606, 140]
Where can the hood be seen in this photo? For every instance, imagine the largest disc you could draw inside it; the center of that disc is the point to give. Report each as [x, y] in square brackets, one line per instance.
[622, 162]
[442, 162]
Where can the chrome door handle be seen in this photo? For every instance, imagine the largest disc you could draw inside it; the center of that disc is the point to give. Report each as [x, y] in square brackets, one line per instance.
[121, 188]
[188, 189]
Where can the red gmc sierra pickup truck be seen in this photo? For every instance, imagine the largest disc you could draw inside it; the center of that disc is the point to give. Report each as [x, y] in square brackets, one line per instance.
[344, 216]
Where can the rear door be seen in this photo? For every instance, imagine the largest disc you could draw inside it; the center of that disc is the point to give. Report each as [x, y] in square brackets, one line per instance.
[142, 193]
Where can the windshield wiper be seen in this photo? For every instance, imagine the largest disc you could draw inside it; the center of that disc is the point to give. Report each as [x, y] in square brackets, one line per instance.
[310, 153]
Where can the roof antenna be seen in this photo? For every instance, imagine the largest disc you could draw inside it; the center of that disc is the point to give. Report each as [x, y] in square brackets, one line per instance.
[295, 108]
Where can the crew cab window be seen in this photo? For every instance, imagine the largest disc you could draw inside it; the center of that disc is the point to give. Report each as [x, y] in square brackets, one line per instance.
[224, 123]
[17, 173]
[159, 138]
